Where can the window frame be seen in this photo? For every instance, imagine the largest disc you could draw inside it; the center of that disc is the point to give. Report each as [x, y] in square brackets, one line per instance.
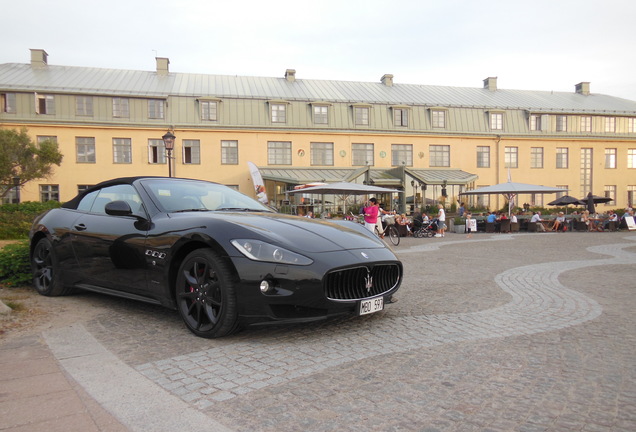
[562, 158]
[481, 152]
[586, 124]
[321, 150]
[362, 115]
[496, 120]
[511, 157]
[121, 107]
[536, 157]
[402, 153]
[439, 155]
[50, 191]
[191, 152]
[83, 147]
[44, 104]
[610, 124]
[321, 118]
[278, 112]
[122, 150]
[156, 152]
[367, 151]
[156, 109]
[561, 123]
[400, 116]
[229, 153]
[209, 110]
[83, 106]
[438, 118]
[611, 158]
[279, 152]
[8, 102]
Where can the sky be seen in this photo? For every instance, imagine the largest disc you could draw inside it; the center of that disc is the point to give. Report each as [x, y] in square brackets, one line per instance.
[544, 45]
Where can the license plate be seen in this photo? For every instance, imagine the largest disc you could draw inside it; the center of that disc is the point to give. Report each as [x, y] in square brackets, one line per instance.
[370, 306]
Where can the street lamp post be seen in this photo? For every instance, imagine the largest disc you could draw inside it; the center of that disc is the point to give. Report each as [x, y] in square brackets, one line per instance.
[168, 140]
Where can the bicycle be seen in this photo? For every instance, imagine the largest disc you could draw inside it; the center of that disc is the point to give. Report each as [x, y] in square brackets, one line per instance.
[391, 232]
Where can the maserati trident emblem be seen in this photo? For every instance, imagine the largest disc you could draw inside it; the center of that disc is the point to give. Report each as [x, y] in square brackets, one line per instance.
[368, 282]
[364, 255]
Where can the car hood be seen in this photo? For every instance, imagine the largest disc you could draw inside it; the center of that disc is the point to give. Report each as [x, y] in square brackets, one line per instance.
[311, 235]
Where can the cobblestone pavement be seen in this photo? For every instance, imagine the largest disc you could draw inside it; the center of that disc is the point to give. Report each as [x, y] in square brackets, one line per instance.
[524, 332]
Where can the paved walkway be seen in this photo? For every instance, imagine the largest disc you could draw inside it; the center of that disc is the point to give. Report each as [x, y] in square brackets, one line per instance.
[498, 332]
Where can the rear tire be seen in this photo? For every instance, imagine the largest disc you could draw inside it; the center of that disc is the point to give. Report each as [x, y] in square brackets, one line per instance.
[205, 295]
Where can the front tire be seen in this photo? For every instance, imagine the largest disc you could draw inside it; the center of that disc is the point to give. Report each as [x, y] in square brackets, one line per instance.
[205, 295]
[46, 270]
[394, 235]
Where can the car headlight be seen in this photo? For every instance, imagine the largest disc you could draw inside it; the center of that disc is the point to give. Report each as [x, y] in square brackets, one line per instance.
[260, 251]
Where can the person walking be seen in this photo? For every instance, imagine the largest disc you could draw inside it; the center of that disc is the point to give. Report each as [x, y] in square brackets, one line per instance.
[371, 214]
[441, 221]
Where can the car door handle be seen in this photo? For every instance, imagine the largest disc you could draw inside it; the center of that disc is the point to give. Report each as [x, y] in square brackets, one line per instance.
[80, 227]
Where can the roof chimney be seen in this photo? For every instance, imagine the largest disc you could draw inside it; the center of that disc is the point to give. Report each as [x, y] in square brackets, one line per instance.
[290, 75]
[387, 80]
[39, 58]
[582, 88]
[162, 65]
[490, 83]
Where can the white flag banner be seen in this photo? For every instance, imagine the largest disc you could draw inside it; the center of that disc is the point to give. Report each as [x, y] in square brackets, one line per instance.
[259, 184]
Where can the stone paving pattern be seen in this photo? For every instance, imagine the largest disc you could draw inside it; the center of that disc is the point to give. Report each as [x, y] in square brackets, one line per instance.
[524, 332]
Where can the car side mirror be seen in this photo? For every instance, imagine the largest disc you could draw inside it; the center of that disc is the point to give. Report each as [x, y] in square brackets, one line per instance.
[118, 208]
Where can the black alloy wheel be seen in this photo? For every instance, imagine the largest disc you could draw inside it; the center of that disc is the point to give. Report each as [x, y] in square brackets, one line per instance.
[46, 270]
[205, 295]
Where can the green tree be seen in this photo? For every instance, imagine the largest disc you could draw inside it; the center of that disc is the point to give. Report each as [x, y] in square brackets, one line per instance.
[21, 158]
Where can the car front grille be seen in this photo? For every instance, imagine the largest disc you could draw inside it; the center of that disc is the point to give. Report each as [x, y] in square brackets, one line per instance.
[362, 282]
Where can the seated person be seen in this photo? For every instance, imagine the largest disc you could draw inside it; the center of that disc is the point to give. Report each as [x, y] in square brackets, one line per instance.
[536, 218]
[613, 217]
[559, 222]
[585, 218]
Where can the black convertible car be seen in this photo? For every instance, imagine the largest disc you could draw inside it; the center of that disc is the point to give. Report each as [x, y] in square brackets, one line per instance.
[222, 259]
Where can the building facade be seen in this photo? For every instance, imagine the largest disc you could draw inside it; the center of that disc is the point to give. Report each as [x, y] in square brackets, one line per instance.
[429, 141]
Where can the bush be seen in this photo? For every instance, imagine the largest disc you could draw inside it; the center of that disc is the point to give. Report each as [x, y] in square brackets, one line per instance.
[16, 219]
[15, 268]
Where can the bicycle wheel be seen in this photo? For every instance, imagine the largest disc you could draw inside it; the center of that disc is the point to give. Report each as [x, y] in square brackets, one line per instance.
[394, 235]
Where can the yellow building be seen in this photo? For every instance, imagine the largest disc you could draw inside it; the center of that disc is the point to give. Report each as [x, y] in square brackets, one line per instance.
[419, 138]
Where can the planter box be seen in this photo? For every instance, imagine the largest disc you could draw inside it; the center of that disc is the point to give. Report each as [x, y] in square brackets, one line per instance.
[460, 229]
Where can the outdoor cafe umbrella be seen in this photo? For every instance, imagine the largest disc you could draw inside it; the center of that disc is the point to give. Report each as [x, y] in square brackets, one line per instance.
[591, 200]
[344, 189]
[565, 200]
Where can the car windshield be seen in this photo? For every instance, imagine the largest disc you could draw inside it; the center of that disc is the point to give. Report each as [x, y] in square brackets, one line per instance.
[180, 195]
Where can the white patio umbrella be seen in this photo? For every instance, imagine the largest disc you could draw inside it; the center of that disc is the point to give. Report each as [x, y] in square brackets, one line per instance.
[511, 189]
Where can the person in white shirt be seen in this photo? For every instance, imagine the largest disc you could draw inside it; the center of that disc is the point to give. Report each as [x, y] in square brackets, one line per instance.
[441, 219]
[536, 218]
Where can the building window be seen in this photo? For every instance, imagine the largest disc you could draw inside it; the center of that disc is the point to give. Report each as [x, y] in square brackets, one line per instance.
[586, 124]
[121, 107]
[279, 153]
[229, 152]
[586, 170]
[483, 157]
[321, 153]
[362, 154]
[439, 155]
[536, 200]
[536, 157]
[44, 104]
[191, 152]
[631, 158]
[400, 117]
[631, 125]
[402, 154]
[321, 114]
[42, 138]
[562, 159]
[155, 108]
[610, 124]
[361, 116]
[85, 149]
[610, 158]
[561, 123]
[511, 157]
[122, 150]
[279, 113]
[84, 105]
[82, 188]
[631, 195]
[208, 110]
[496, 121]
[156, 151]
[610, 192]
[483, 201]
[560, 194]
[438, 119]
[535, 122]
[7, 101]
[49, 193]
